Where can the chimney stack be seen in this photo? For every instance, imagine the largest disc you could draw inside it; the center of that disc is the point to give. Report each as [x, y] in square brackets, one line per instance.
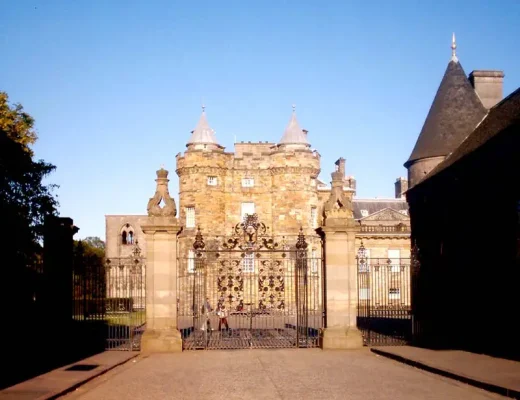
[340, 164]
[351, 183]
[401, 186]
[488, 85]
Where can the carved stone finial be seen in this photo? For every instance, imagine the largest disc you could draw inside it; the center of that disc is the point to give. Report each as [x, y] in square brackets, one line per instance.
[338, 200]
[162, 195]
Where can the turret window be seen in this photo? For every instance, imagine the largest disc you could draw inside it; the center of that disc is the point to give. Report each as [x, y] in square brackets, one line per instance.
[190, 217]
[248, 182]
[212, 181]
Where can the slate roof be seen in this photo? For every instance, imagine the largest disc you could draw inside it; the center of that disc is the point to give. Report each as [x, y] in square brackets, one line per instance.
[203, 132]
[293, 133]
[455, 112]
[375, 205]
[501, 116]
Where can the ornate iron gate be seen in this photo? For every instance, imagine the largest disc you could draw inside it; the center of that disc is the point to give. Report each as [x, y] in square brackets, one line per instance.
[249, 291]
[384, 300]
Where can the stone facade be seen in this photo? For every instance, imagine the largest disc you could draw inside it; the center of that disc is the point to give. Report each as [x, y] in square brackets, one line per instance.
[278, 182]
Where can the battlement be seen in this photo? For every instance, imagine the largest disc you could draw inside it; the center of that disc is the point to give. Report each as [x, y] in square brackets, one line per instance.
[253, 149]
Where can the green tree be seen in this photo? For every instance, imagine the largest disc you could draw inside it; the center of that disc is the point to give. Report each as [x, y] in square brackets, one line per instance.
[95, 242]
[24, 200]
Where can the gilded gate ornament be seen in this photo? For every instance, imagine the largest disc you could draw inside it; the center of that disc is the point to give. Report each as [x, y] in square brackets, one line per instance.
[249, 254]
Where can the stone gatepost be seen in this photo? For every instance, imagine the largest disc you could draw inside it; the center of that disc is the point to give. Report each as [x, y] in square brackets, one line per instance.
[161, 229]
[341, 296]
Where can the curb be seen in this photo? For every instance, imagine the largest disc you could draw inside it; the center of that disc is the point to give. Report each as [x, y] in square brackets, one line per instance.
[73, 387]
[515, 394]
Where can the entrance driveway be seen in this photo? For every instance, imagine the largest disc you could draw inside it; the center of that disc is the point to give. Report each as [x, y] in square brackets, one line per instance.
[273, 374]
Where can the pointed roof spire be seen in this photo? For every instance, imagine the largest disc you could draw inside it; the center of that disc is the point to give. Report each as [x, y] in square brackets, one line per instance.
[454, 49]
[203, 132]
[293, 133]
[455, 112]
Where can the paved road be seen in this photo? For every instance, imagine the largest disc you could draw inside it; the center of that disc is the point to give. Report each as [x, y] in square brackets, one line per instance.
[273, 374]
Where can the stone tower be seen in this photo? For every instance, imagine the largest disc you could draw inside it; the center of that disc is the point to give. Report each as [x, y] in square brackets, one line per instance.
[202, 179]
[456, 110]
[294, 169]
[277, 181]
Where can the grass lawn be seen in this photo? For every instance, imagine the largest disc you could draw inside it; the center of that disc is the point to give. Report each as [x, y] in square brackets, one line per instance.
[134, 318]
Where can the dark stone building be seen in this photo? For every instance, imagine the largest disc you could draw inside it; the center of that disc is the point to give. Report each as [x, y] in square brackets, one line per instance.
[465, 212]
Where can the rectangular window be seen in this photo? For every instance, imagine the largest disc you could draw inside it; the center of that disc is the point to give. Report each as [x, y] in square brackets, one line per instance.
[190, 217]
[365, 265]
[212, 181]
[191, 261]
[247, 209]
[315, 262]
[248, 263]
[394, 293]
[364, 294]
[395, 260]
[248, 182]
[314, 217]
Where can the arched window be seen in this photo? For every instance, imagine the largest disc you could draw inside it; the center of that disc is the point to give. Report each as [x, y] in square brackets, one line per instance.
[127, 235]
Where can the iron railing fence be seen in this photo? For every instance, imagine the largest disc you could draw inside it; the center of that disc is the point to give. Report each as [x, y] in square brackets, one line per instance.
[108, 300]
[384, 300]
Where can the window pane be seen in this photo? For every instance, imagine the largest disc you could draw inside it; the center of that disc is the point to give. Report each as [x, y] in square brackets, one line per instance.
[191, 261]
[247, 208]
[248, 264]
[190, 217]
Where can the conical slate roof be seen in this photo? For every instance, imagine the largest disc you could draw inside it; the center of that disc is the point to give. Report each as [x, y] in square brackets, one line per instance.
[456, 110]
[293, 133]
[203, 132]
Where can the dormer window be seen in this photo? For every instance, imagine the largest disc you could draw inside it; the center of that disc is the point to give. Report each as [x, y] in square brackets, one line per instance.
[212, 181]
[364, 213]
[127, 235]
[248, 182]
[405, 212]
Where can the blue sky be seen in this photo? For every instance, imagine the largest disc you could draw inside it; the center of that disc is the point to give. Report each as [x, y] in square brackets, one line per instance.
[116, 86]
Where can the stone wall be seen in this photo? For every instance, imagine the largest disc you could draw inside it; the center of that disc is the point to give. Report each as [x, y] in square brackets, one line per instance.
[284, 189]
[115, 224]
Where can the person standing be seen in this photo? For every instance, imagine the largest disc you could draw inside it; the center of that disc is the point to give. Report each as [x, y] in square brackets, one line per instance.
[222, 315]
[206, 309]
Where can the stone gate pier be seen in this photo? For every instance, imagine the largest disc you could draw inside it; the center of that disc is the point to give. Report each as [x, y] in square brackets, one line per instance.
[341, 294]
[161, 229]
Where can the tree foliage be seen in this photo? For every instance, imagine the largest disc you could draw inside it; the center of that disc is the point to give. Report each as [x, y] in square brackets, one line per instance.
[24, 200]
[95, 242]
[16, 123]
[92, 249]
